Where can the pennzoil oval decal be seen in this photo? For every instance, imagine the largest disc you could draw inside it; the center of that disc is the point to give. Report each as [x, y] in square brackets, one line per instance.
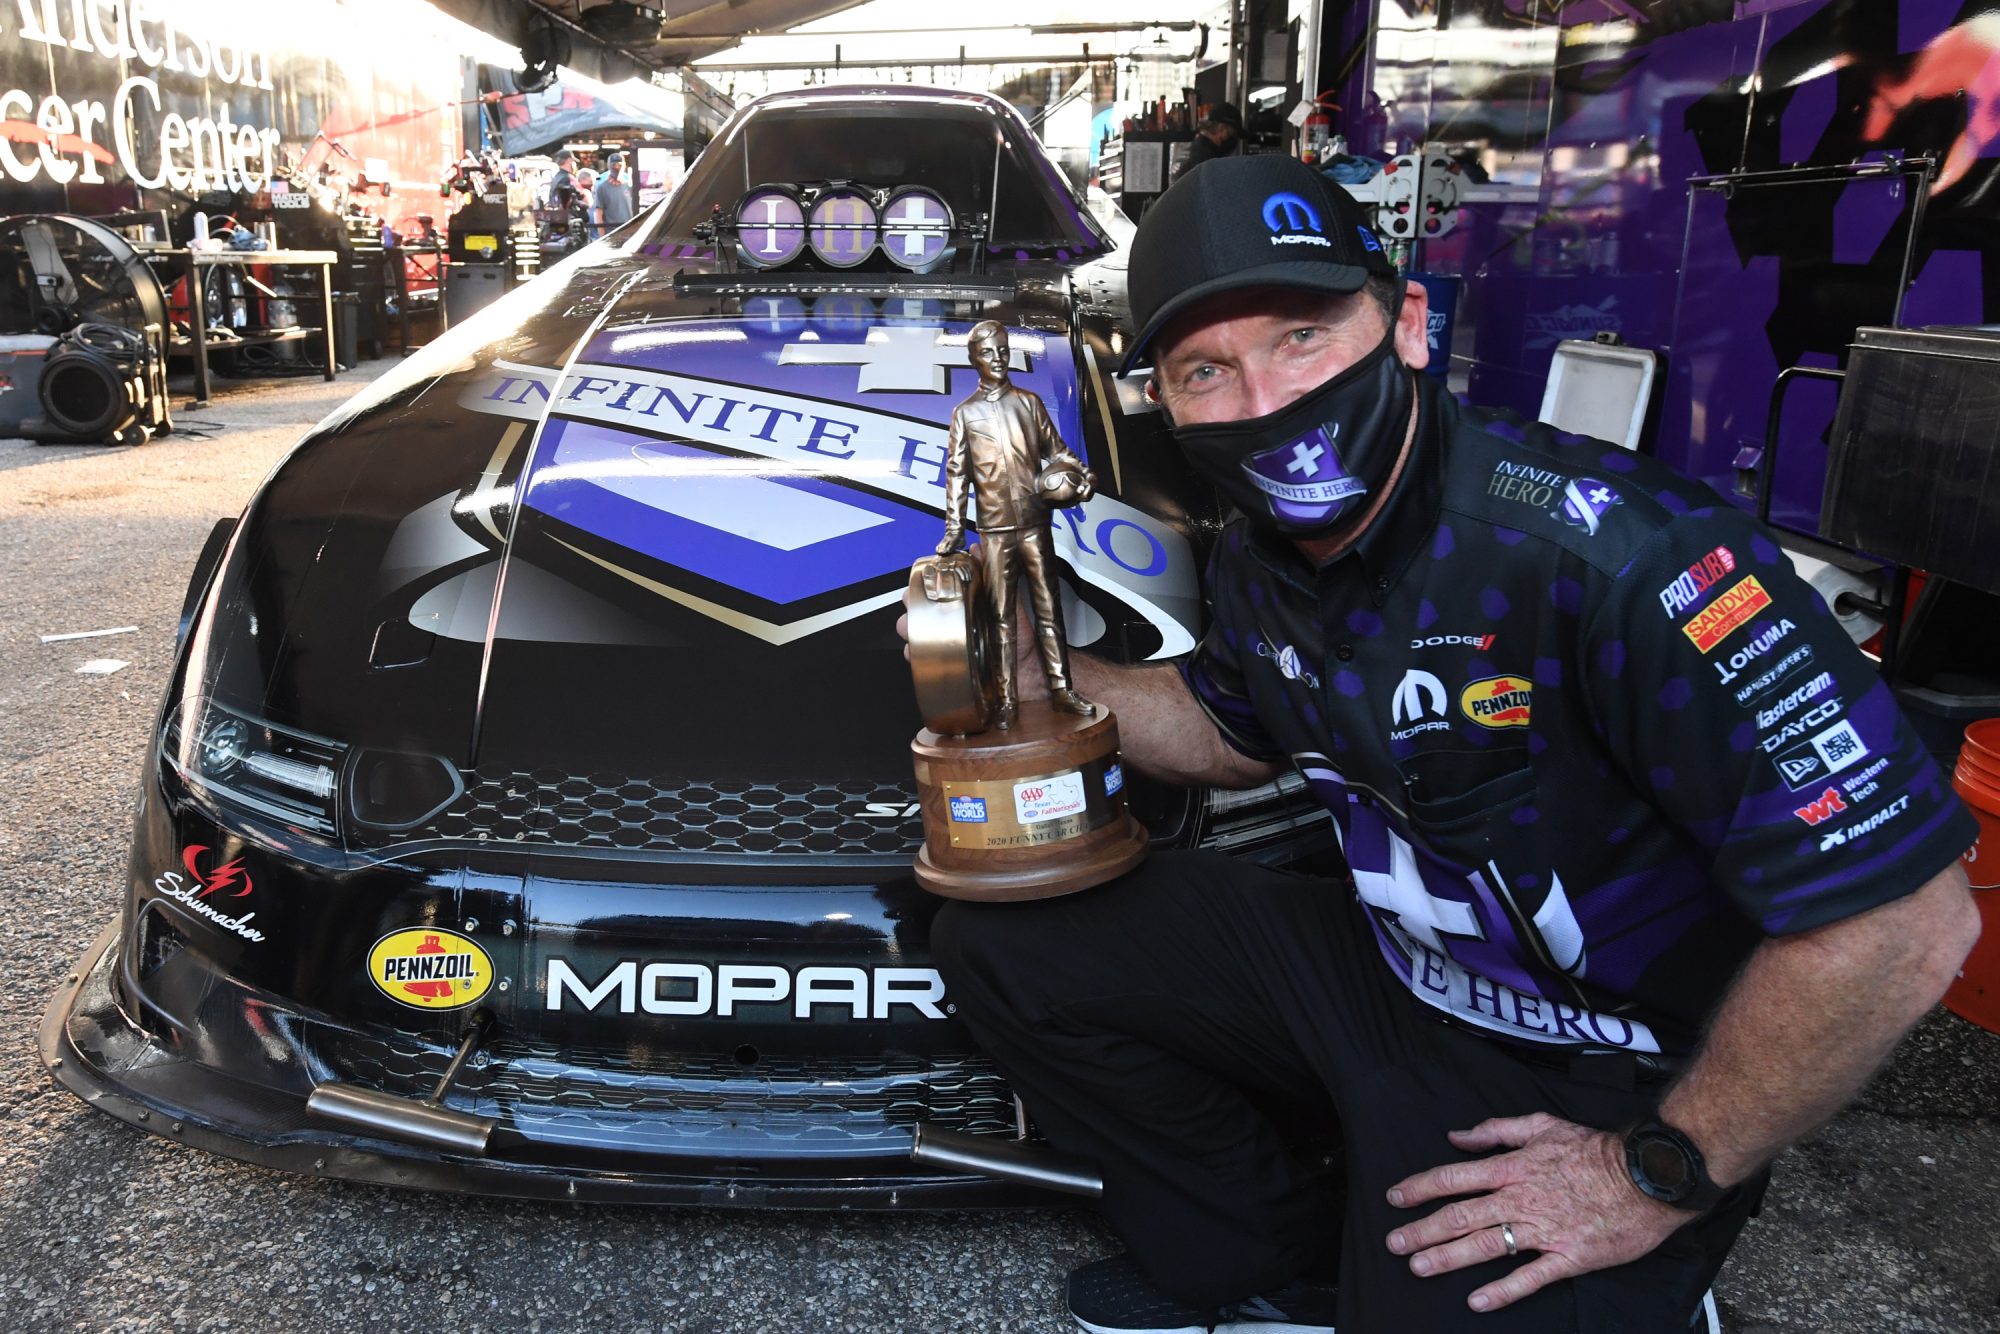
[429, 968]
[1497, 701]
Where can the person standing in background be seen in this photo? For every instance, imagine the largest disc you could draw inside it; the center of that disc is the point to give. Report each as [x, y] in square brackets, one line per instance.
[615, 196]
[586, 195]
[562, 185]
[1220, 135]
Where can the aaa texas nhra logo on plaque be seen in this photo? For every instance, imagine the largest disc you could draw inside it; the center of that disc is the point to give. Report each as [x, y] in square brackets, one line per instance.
[429, 968]
[1497, 701]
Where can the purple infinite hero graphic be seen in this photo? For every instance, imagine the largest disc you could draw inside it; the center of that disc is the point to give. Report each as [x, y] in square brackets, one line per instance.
[1305, 479]
[770, 228]
[1585, 503]
[915, 229]
[843, 228]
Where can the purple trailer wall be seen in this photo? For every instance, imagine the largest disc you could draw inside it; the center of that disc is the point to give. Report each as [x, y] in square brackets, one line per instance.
[1612, 107]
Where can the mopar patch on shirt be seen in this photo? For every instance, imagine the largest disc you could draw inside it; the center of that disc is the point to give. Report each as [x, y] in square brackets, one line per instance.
[1497, 701]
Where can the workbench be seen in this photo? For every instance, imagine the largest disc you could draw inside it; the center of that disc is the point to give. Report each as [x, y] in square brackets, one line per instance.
[192, 264]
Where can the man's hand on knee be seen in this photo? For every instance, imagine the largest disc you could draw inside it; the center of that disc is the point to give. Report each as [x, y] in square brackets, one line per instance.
[1561, 1190]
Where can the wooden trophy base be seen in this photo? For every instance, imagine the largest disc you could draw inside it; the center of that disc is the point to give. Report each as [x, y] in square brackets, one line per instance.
[1031, 812]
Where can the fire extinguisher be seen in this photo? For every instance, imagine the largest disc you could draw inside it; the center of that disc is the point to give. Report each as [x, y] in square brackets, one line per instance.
[1317, 130]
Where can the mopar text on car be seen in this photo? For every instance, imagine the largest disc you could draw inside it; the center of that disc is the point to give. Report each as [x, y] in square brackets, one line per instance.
[530, 810]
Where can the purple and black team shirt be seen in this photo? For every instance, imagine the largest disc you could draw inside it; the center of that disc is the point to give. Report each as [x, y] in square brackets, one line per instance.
[1587, 736]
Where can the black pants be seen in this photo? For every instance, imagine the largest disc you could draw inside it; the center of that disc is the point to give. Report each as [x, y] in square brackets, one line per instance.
[1148, 1023]
[1015, 555]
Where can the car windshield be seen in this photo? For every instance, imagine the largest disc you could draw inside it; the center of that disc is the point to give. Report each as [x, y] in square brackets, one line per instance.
[977, 158]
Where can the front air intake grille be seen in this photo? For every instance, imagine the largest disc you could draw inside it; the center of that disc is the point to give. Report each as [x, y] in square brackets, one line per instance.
[665, 1102]
[615, 812]
[159, 941]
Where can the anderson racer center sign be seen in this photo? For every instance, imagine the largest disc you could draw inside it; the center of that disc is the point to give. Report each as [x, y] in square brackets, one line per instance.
[81, 132]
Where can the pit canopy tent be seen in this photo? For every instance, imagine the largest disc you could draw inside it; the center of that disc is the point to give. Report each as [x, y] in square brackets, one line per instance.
[577, 107]
[689, 29]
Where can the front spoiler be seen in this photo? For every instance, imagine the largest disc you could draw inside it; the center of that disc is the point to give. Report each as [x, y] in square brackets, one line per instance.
[95, 1050]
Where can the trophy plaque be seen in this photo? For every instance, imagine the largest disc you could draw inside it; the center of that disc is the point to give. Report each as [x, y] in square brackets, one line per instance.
[1021, 799]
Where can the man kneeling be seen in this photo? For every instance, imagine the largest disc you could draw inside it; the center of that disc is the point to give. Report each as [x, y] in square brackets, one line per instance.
[1625, 919]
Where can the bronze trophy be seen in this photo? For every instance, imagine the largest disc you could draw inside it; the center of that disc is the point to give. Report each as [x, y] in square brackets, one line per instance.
[1022, 799]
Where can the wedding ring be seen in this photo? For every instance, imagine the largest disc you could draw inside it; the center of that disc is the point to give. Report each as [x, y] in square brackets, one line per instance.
[1507, 1236]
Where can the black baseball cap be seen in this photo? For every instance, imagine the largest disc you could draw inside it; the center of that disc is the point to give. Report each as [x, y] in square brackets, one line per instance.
[1225, 113]
[1261, 221]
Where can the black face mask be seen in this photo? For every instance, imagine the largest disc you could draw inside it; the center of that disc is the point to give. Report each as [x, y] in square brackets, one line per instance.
[1311, 465]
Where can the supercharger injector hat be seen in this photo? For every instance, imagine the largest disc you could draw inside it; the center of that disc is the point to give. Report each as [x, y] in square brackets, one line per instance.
[1262, 221]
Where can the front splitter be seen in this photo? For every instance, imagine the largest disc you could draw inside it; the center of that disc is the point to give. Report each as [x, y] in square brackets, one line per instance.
[93, 1048]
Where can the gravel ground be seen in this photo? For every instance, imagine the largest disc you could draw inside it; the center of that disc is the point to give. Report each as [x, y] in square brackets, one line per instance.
[1887, 1220]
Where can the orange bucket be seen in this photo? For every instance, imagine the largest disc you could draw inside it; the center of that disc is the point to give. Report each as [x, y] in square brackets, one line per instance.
[1976, 993]
[1981, 794]
[1979, 769]
[1982, 742]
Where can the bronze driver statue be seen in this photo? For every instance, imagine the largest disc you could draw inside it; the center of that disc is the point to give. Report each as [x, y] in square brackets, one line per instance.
[1003, 443]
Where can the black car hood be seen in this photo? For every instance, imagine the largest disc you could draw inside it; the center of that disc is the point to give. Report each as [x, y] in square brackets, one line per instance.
[609, 528]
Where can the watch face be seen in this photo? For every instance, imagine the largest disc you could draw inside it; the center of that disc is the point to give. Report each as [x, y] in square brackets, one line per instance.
[1664, 1165]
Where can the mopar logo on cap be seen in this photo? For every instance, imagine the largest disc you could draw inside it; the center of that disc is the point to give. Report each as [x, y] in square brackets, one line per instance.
[1370, 241]
[1293, 221]
[968, 810]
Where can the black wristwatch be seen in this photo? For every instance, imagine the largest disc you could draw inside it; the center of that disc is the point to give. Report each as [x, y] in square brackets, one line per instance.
[1665, 1164]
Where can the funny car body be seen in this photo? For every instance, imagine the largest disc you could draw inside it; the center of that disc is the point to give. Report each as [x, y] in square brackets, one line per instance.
[530, 810]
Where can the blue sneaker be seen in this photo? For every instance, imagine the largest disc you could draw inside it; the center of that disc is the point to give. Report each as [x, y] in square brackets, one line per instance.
[1111, 1296]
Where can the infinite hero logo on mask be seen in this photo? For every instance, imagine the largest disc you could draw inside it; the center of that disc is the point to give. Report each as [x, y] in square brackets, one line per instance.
[1497, 701]
[1302, 469]
[1304, 478]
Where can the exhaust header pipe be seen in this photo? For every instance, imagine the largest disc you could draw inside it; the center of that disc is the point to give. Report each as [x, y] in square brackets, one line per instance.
[402, 1118]
[428, 1122]
[1008, 1160]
